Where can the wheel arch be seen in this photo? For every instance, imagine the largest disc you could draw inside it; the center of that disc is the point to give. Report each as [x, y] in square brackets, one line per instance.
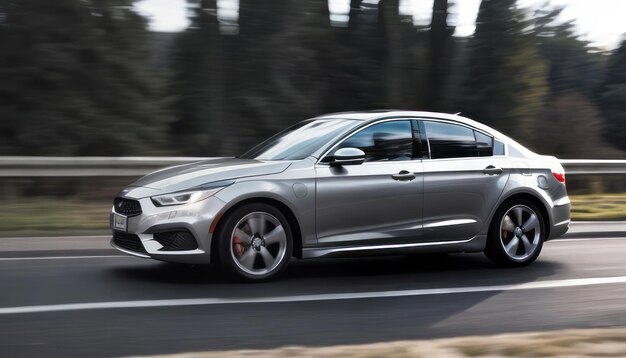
[294, 225]
[533, 198]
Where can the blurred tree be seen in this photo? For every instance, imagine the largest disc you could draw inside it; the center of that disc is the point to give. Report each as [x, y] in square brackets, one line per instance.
[270, 73]
[612, 97]
[505, 84]
[80, 77]
[584, 124]
[574, 72]
[197, 84]
[566, 54]
[76, 80]
[300, 72]
[358, 66]
[406, 63]
[372, 60]
[441, 47]
[253, 111]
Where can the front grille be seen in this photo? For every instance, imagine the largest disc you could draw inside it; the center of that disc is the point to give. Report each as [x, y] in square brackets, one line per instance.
[129, 242]
[127, 207]
[176, 240]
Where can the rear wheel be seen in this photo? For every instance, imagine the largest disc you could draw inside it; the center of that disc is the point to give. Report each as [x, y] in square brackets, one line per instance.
[516, 234]
[255, 243]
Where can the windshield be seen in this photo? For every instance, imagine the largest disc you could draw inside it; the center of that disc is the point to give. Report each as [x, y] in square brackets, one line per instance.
[300, 140]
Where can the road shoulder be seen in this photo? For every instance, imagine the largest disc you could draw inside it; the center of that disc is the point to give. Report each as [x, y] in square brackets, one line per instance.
[604, 342]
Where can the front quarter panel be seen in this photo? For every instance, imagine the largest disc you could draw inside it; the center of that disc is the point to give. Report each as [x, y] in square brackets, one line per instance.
[294, 187]
[195, 218]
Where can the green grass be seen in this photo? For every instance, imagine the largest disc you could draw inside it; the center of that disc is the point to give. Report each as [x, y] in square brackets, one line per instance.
[49, 217]
[598, 207]
[52, 217]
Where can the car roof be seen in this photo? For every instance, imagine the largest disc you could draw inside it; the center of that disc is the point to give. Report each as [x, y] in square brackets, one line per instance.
[392, 113]
[381, 113]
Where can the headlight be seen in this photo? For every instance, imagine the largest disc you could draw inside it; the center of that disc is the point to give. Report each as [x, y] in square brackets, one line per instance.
[185, 197]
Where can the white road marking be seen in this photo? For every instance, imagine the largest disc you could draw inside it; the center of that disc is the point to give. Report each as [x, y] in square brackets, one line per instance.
[59, 257]
[312, 297]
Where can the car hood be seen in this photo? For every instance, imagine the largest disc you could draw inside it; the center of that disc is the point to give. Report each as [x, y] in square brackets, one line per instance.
[186, 176]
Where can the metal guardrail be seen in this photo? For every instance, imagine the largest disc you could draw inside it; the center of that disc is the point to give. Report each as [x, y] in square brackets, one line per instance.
[136, 166]
[593, 166]
[86, 166]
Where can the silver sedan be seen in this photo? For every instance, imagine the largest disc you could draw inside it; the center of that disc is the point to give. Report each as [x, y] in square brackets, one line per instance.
[358, 183]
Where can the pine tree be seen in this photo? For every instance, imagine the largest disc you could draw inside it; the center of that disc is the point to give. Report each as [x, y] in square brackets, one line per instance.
[358, 61]
[574, 70]
[612, 97]
[299, 72]
[506, 78]
[129, 91]
[197, 83]
[254, 111]
[404, 60]
[573, 65]
[76, 80]
[440, 52]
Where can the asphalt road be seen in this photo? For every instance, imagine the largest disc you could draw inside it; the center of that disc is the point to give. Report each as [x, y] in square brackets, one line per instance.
[90, 301]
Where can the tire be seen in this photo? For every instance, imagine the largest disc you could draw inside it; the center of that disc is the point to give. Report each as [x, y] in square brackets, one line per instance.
[514, 244]
[255, 243]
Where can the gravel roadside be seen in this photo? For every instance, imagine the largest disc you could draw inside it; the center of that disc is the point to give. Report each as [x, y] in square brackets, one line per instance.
[605, 342]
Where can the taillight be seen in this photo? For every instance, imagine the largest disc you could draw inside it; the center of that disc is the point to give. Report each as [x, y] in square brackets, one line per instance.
[560, 177]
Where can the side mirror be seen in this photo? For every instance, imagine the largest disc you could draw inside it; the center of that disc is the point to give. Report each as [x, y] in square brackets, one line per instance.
[348, 156]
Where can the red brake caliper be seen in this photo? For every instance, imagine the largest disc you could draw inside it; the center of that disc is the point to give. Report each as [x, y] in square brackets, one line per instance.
[238, 246]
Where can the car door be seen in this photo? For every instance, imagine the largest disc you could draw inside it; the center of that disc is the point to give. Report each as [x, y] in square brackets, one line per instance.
[378, 201]
[463, 180]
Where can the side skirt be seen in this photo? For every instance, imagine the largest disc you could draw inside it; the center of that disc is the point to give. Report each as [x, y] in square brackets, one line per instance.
[475, 244]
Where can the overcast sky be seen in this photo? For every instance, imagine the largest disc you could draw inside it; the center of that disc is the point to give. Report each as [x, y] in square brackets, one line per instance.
[603, 22]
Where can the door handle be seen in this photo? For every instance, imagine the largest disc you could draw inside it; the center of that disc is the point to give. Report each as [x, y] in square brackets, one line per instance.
[404, 175]
[491, 170]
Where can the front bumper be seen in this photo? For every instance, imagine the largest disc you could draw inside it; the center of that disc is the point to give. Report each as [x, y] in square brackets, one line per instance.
[194, 218]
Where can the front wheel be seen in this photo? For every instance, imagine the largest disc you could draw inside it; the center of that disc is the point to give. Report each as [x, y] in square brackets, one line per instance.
[516, 234]
[255, 243]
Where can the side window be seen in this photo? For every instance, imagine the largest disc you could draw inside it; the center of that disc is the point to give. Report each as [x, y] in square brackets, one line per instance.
[449, 140]
[484, 144]
[498, 148]
[384, 141]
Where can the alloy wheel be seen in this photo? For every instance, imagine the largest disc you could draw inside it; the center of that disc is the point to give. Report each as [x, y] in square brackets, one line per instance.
[258, 243]
[520, 232]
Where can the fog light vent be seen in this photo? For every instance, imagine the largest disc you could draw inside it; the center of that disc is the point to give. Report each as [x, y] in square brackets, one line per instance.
[129, 242]
[176, 240]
